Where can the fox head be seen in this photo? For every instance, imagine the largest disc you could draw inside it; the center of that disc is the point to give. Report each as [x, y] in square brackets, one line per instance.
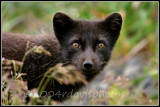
[87, 44]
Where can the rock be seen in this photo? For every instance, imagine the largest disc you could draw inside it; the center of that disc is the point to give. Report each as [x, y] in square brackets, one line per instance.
[134, 68]
[148, 86]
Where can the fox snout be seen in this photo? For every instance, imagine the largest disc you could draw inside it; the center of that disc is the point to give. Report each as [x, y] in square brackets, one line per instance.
[87, 65]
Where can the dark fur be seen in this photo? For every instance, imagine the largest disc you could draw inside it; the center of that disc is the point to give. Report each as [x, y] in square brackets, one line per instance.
[87, 33]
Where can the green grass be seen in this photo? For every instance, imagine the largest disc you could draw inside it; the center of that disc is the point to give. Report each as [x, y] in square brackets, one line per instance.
[140, 21]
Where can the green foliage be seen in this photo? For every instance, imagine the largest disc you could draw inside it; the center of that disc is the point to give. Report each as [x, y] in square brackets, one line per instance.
[62, 74]
[140, 21]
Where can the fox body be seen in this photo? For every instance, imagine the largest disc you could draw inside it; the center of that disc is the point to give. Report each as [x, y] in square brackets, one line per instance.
[84, 43]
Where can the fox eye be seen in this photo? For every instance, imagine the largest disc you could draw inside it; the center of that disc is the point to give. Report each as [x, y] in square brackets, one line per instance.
[100, 45]
[75, 45]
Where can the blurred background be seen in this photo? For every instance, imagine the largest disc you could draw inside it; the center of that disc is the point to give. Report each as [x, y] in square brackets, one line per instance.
[131, 77]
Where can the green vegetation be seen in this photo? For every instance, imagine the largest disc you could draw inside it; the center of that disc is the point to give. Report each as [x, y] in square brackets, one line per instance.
[140, 26]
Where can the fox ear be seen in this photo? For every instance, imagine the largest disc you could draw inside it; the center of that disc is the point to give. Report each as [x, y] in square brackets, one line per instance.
[62, 23]
[112, 25]
[113, 22]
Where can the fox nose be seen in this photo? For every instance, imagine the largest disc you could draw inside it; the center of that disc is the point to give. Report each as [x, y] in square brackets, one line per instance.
[88, 65]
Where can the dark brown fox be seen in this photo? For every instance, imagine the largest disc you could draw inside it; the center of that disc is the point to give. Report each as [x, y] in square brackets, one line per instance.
[84, 43]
